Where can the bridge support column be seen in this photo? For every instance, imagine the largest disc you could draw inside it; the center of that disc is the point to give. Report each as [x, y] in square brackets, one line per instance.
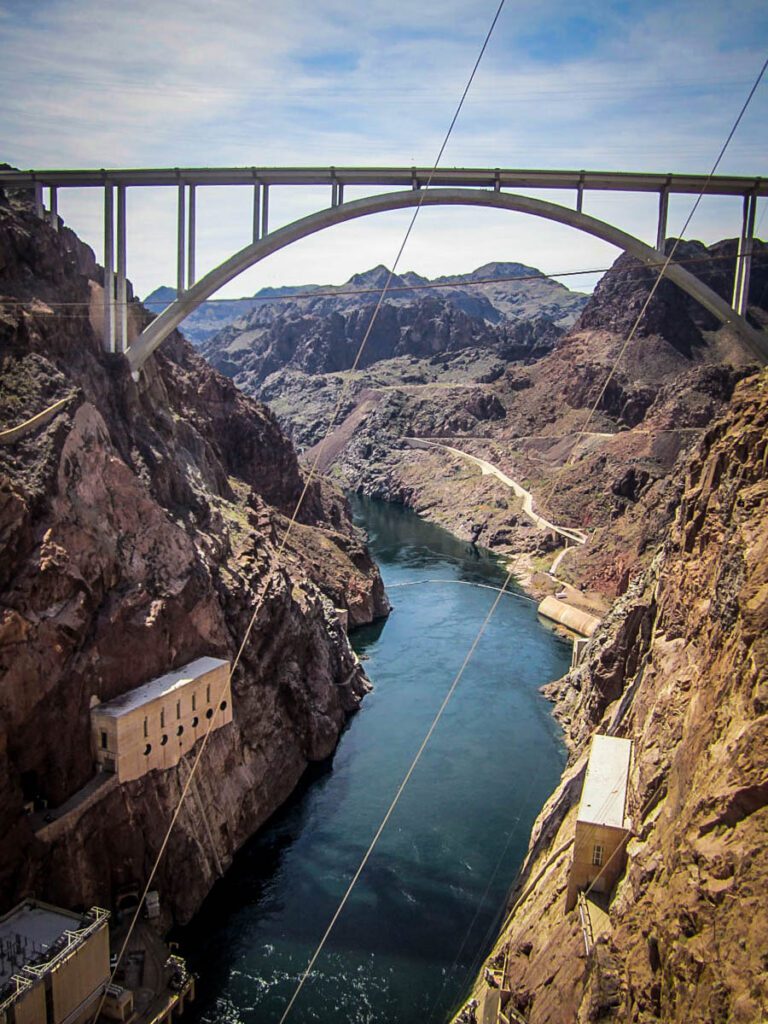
[122, 279]
[54, 207]
[109, 268]
[580, 193]
[265, 210]
[180, 242]
[256, 212]
[191, 238]
[38, 194]
[744, 256]
[661, 231]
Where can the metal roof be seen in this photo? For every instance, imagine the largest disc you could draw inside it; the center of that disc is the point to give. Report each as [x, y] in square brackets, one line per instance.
[27, 933]
[159, 687]
[604, 796]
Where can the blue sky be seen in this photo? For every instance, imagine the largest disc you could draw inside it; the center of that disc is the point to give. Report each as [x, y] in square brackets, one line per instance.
[623, 85]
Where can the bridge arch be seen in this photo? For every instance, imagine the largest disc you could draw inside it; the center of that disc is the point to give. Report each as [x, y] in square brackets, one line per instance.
[156, 332]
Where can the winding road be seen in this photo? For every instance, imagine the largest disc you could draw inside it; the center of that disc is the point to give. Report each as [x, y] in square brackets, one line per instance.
[488, 469]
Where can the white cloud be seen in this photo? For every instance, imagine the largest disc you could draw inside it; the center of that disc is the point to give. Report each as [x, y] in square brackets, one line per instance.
[650, 86]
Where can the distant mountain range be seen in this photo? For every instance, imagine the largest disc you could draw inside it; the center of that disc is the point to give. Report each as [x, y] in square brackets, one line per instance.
[507, 307]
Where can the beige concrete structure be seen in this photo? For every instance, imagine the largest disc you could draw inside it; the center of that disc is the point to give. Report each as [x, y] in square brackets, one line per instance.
[566, 615]
[602, 825]
[579, 646]
[54, 965]
[153, 726]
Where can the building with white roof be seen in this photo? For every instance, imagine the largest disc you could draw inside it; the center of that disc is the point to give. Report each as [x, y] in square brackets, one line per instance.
[602, 824]
[152, 726]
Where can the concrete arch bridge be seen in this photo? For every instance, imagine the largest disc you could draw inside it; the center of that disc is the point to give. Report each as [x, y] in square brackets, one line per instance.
[447, 187]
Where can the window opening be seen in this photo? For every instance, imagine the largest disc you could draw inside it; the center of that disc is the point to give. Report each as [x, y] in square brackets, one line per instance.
[597, 855]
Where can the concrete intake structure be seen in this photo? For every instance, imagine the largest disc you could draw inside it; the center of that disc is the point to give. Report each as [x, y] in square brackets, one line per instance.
[155, 725]
[566, 615]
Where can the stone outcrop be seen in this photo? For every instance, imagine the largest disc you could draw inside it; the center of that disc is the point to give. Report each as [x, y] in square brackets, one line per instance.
[680, 667]
[139, 529]
[506, 308]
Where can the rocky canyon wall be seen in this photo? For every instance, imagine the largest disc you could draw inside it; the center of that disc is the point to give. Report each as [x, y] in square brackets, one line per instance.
[139, 529]
[680, 667]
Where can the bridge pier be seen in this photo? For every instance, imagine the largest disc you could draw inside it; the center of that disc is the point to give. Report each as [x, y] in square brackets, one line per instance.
[264, 210]
[337, 193]
[256, 212]
[53, 206]
[181, 225]
[661, 231]
[109, 268]
[191, 238]
[122, 278]
[38, 193]
[744, 255]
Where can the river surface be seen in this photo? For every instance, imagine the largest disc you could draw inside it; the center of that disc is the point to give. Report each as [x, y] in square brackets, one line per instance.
[423, 913]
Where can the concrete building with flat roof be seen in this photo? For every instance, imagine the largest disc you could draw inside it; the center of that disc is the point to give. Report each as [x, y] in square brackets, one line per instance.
[54, 964]
[154, 725]
[602, 824]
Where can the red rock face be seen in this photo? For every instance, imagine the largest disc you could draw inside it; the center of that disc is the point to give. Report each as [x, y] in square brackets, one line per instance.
[138, 530]
[681, 668]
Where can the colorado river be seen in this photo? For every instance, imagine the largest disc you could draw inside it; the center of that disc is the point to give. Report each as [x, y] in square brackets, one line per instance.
[423, 913]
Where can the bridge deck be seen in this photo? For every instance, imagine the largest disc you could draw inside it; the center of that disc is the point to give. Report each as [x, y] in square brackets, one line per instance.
[465, 177]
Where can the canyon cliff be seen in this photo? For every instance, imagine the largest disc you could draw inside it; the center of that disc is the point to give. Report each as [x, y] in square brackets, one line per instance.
[679, 667]
[599, 461]
[139, 529]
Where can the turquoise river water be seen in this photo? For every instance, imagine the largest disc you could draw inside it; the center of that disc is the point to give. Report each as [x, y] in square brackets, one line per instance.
[423, 914]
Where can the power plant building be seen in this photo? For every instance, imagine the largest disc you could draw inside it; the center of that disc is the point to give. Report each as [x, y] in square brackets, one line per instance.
[602, 825]
[54, 965]
[154, 725]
